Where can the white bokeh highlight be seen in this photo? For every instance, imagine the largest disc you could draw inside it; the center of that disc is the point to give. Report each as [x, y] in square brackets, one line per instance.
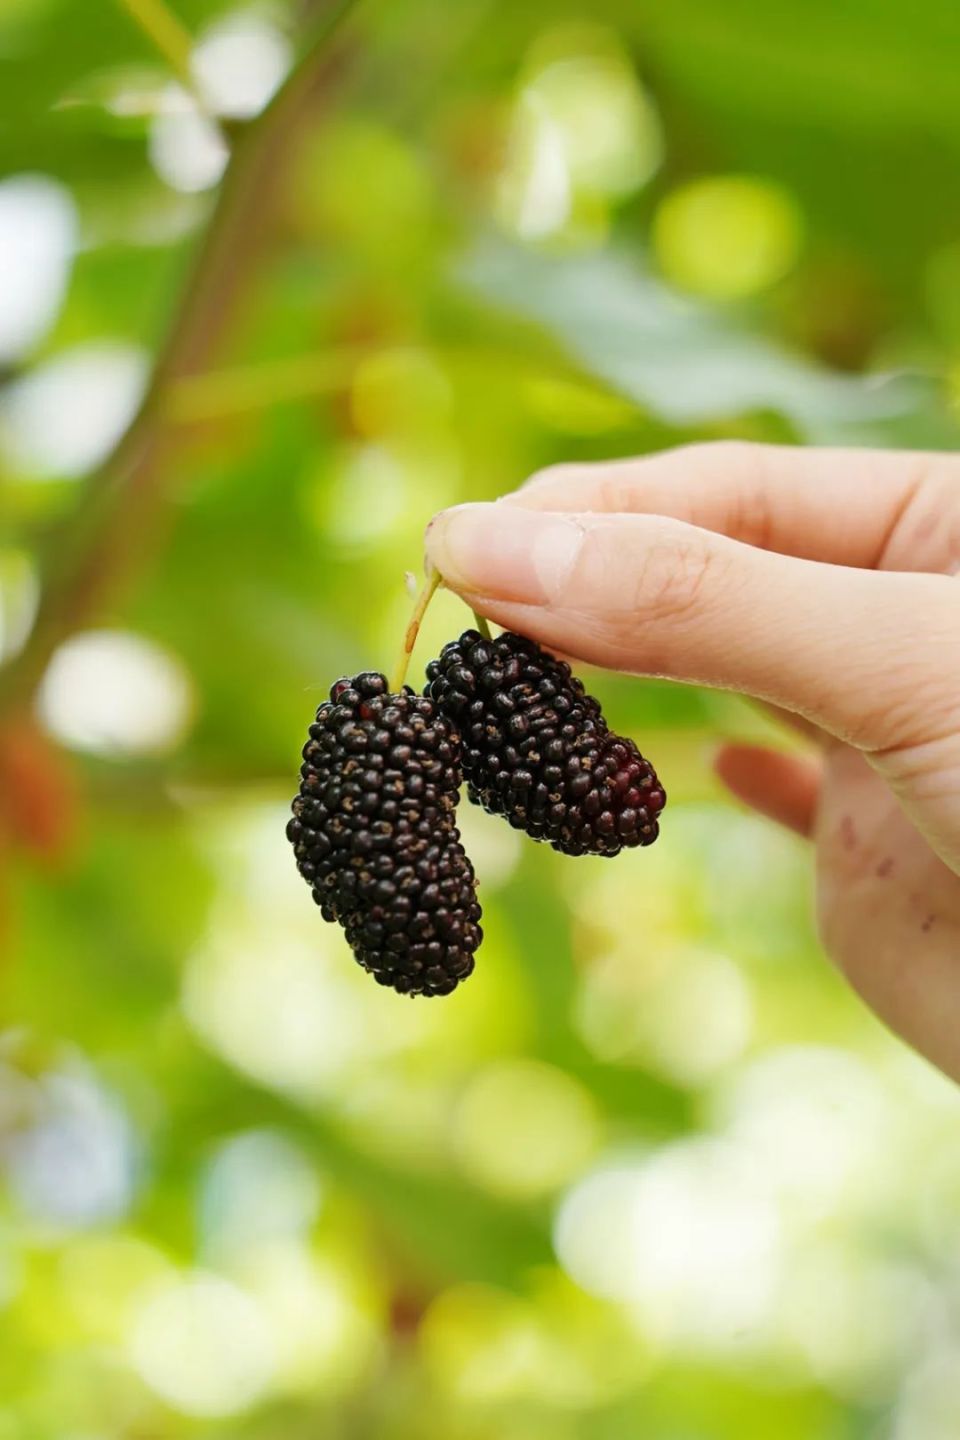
[74, 1165]
[258, 1188]
[239, 64]
[296, 1024]
[689, 1238]
[66, 415]
[323, 1329]
[186, 149]
[204, 1346]
[817, 1121]
[38, 235]
[113, 693]
[687, 1014]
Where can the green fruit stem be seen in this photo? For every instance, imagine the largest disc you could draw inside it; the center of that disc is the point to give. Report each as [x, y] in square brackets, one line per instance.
[431, 586]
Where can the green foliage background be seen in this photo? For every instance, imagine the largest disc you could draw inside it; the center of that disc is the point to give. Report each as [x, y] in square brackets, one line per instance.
[652, 1172]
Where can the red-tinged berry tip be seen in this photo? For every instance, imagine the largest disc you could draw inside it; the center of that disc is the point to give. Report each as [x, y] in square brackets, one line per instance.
[537, 750]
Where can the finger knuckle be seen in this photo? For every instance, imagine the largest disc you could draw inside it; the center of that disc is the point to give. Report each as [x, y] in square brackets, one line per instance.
[552, 476]
[669, 588]
[747, 465]
[615, 491]
[724, 456]
[715, 451]
[898, 717]
[879, 728]
[911, 722]
[930, 770]
[926, 532]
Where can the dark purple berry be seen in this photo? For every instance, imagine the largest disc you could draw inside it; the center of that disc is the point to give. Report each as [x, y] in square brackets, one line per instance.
[537, 750]
[374, 835]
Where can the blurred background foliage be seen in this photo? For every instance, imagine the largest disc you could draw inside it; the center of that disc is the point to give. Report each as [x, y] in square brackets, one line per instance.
[276, 282]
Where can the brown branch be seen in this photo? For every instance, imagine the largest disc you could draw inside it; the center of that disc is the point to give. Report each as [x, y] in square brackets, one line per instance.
[99, 543]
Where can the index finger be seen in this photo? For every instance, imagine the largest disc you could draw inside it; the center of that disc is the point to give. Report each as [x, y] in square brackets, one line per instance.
[844, 507]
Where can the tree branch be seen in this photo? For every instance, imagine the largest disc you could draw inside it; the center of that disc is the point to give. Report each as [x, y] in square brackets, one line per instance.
[100, 541]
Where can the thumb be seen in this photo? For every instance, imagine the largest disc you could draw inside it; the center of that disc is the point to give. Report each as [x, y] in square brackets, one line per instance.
[865, 655]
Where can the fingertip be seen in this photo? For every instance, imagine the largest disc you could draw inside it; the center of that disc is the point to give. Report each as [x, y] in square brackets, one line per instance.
[733, 765]
[783, 787]
[522, 556]
[442, 539]
[732, 757]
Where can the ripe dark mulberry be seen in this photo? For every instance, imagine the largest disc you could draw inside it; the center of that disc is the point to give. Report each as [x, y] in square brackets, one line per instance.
[537, 750]
[375, 837]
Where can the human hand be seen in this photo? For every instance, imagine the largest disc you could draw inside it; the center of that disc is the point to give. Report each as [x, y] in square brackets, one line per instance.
[818, 581]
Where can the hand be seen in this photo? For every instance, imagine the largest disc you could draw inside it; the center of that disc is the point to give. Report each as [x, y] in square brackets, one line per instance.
[818, 581]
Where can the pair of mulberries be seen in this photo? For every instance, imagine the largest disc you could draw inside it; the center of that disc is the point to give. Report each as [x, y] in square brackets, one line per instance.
[374, 822]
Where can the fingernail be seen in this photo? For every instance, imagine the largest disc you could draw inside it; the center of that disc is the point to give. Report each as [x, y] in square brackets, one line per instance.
[520, 555]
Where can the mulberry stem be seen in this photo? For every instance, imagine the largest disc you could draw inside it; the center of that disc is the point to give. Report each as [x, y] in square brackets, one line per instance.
[431, 586]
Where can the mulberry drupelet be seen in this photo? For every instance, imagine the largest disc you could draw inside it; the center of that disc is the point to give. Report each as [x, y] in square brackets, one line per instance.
[375, 837]
[537, 750]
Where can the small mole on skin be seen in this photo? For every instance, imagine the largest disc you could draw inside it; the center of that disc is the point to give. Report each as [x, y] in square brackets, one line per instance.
[848, 833]
[885, 867]
[928, 923]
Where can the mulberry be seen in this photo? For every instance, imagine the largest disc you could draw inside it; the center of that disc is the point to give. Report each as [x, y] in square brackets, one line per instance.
[537, 750]
[374, 835]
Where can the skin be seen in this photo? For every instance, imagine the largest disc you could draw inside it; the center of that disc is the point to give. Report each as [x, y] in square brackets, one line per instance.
[822, 582]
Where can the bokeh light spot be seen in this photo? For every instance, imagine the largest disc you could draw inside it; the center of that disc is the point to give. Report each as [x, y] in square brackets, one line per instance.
[929, 1405]
[258, 1187]
[727, 237]
[852, 1317]
[65, 416]
[535, 192]
[610, 131]
[105, 1280]
[203, 1346]
[295, 1024]
[687, 1016]
[553, 1344]
[816, 1121]
[323, 1322]
[481, 1342]
[239, 64]
[38, 226]
[117, 694]
[691, 1240]
[73, 1165]
[593, 1233]
[522, 1128]
[186, 149]
[387, 220]
[365, 498]
[584, 134]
